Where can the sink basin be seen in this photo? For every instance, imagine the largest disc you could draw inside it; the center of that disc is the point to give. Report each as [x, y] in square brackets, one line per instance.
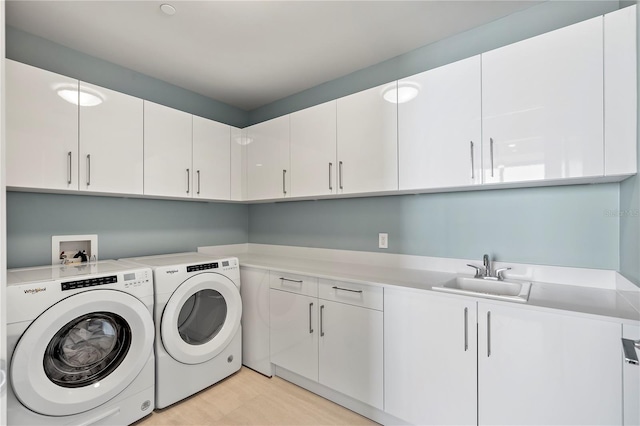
[514, 291]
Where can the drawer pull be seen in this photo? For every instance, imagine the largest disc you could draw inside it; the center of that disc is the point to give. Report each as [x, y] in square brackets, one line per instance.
[346, 289]
[291, 281]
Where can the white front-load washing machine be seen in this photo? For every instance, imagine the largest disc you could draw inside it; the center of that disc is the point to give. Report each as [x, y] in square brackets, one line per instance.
[197, 319]
[80, 342]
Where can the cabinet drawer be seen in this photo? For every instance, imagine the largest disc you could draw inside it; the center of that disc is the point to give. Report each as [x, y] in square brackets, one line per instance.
[353, 294]
[293, 283]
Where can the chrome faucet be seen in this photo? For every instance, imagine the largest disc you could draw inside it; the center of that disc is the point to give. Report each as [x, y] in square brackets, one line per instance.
[486, 272]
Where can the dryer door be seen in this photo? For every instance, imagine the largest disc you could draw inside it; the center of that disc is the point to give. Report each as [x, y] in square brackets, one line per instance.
[81, 352]
[201, 318]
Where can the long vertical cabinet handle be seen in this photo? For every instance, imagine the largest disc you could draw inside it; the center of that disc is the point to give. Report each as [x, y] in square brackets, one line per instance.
[488, 334]
[473, 167]
[188, 179]
[629, 348]
[198, 173]
[340, 174]
[69, 168]
[310, 325]
[284, 182]
[330, 180]
[88, 169]
[321, 320]
[466, 329]
[491, 154]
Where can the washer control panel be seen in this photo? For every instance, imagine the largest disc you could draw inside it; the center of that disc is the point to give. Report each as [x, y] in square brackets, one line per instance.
[203, 267]
[89, 282]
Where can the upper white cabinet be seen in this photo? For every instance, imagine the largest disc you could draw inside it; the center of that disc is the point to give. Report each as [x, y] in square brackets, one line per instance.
[440, 133]
[543, 368]
[542, 106]
[238, 152]
[167, 151]
[268, 174]
[430, 356]
[313, 151]
[211, 159]
[111, 143]
[367, 129]
[42, 128]
[620, 92]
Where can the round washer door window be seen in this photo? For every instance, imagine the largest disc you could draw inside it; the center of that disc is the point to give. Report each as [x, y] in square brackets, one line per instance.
[201, 318]
[82, 352]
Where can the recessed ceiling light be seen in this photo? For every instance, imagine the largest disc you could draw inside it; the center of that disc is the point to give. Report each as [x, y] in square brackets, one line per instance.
[403, 93]
[79, 97]
[167, 9]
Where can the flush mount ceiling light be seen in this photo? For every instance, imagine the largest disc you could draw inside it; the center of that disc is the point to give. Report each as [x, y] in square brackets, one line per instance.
[167, 9]
[243, 140]
[79, 97]
[403, 93]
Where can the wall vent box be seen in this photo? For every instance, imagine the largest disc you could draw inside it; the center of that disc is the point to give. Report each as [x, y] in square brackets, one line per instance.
[74, 248]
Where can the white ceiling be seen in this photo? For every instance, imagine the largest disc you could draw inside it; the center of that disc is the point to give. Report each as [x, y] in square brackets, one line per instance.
[251, 53]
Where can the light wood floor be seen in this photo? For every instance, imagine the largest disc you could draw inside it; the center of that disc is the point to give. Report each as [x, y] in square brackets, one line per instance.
[249, 398]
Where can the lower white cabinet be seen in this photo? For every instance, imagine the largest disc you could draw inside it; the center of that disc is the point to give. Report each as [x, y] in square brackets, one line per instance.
[631, 378]
[543, 368]
[338, 344]
[524, 366]
[430, 356]
[255, 319]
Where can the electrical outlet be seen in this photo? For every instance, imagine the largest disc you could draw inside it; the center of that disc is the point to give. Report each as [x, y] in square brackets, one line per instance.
[383, 240]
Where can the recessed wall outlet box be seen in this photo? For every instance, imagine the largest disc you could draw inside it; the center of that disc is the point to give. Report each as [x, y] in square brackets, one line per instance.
[70, 249]
[383, 240]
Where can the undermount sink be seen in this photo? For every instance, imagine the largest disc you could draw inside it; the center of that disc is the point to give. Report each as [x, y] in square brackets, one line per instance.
[514, 291]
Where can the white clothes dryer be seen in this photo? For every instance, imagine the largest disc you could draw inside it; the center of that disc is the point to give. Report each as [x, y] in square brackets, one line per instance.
[80, 342]
[197, 318]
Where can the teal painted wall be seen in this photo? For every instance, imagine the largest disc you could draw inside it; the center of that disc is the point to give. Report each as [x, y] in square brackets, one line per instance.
[39, 52]
[536, 20]
[630, 210]
[125, 226]
[566, 226]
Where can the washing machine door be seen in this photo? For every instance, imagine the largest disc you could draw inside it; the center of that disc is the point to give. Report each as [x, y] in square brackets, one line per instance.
[201, 318]
[82, 352]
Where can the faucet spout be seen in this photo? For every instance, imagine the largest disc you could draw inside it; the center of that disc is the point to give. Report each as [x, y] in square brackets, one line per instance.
[487, 265]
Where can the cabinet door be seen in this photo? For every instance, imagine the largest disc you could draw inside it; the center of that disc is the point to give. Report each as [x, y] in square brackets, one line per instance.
[620, 92]
[440, 132]
[239, 141]
[430, 357]
[350, 357]
[631, 379]
[542, 106]
[255, 319]
[313, 151]
[42, 128]
[543, 368]
[111, 143]
[268, 160]
[294, 332]
[167, 151]
[211, 159]
[368, 141]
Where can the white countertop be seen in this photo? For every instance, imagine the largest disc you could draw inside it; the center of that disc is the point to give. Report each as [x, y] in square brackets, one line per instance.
[600, 302]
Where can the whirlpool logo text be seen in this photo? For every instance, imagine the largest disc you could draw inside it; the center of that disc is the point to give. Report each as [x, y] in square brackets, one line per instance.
[35, 290]
[172, 271]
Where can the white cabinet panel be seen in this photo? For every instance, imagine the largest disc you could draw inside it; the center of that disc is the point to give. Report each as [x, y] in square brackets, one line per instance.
[111, 143]
[313, 151]
[542, 368]
[620, 92]
[350, 356]
[42, 128]
[631, 380]
[211, 159]
[239, 140]
[439, 131]
[430, 357]
[294, 328]
[367, 142]
[268, 160]
[255, 319]
[167, 151]
[542, 106]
